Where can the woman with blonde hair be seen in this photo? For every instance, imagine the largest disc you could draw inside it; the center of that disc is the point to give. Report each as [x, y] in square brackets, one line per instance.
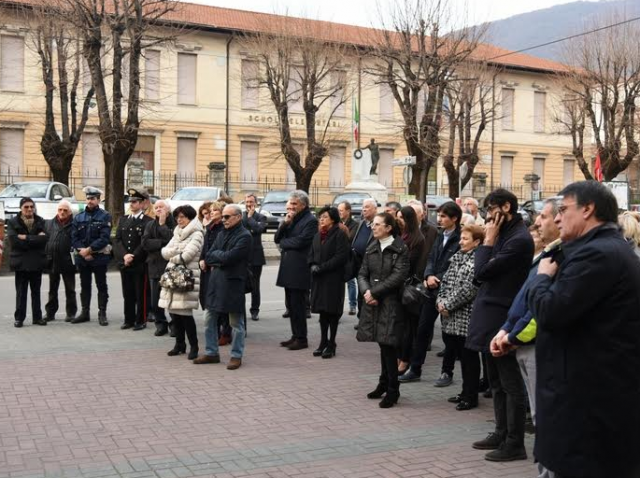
[631, 230]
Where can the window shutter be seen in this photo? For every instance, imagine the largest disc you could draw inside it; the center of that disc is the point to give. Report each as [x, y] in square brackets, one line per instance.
[506, 171]
[538, 168]
[12, 67]
[92, 161]
[11, 154]
[385, 168]
[250, 84]
[507, 108]
[386, 102]
[187, 70]
[187, 148]
[249, 163]
[152, 75]
[336, 167]
[568, 171]
[539, 111]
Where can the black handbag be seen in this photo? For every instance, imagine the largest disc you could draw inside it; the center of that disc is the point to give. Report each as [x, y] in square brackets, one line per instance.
[414, 293]
[179, 278]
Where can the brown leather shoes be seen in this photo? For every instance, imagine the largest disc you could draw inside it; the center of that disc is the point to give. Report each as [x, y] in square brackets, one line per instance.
[234, 364]
[207, 359]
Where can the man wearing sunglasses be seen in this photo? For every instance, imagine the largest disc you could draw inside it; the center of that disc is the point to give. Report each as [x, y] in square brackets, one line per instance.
[131, 256]
[28, 239]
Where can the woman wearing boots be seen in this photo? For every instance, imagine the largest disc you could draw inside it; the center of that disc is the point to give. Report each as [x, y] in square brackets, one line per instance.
[184, 248]
[327, 259]
[384, 269]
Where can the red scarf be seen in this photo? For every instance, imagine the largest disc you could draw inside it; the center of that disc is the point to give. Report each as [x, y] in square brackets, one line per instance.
[67, 221]
[323, 235]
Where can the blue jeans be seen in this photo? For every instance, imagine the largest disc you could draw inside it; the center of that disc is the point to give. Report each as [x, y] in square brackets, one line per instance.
[236, 320]
[351, 288]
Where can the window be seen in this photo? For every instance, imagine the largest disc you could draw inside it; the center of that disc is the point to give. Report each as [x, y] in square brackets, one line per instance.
[386, 102]
[187, 71]
[152, 75]
[568, 171]
[506, 171]
[249, 163]
[92, 161]
[250, 84]
[11, 154]
[187, 156]
[294, 91]
[539, 111]
[338, 83]
[538, 168]
[336, 167]
[385, 168]
[507, 108]
[11, 63]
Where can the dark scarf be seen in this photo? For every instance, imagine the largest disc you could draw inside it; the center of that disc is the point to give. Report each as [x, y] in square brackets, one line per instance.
[66, 221]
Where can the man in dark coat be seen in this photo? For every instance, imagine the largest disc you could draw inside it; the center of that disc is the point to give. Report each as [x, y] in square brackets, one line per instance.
[229, 260]
[256, 224]
[157, 234]
[294, 236]
[28, 239]
[446, 245]
[131, 257]
[501, 267]
[344, 209]
[362, 238]
[588, 343]
[59, 262]
[91, 241]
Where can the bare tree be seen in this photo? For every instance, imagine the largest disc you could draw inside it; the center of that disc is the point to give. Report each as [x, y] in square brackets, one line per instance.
[602, 86]
[302, 75]
[126, 28]
[414, 57]
[60, 58]
[470, 110]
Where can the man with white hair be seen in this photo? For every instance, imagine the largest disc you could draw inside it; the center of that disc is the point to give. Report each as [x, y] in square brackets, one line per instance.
[471, 206]
[59, 263]
[429, 231]
[362, 238]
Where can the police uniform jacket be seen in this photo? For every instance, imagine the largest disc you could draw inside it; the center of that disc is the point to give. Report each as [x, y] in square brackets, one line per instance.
[92, 228]
[129, 240]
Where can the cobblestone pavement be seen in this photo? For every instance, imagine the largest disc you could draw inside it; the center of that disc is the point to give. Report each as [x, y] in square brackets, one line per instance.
[89, 401]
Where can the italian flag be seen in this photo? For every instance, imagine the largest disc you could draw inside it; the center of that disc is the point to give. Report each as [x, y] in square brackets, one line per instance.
[356, 121]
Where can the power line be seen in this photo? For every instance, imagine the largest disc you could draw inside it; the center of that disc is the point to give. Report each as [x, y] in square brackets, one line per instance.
[566, 38]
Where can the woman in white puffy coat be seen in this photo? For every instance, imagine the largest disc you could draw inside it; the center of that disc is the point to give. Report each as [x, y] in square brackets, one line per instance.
[184, 248]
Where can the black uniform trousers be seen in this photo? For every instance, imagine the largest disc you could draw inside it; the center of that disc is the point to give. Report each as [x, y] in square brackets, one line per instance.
[133, 291]
[100, 273]
[255, 291]
[24, 281]
[156, 311]
[295, 299]
[71, 304]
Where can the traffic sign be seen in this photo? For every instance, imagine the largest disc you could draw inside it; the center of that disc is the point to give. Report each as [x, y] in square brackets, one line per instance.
[404, 161]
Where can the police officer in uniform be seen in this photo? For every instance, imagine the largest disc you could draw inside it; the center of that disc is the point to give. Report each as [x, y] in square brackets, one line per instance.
[131, 256]
[91, 243]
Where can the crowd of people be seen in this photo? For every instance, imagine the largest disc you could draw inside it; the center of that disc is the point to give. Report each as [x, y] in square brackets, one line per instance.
[547, 317]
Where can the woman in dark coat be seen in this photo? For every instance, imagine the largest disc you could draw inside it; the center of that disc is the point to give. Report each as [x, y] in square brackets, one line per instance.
[157, 234]
[414, 240]
[327, 260]
[384, 269]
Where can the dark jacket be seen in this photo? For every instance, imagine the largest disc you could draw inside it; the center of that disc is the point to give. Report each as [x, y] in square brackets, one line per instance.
[211, 232]
[58, 247]
[417, 257]
[256, 225]
[129, 241]
[327, 286]
[441, 254]
[352, 225]
[92, 228]
[155, 237]
[355, 235]
[27, 255]
[430, 233]
[383, 273]
[588, 357]
[295, 241]
[228, 258]
[501, 271]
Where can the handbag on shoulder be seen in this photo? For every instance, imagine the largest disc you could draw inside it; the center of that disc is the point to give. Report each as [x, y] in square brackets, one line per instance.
[179, 278]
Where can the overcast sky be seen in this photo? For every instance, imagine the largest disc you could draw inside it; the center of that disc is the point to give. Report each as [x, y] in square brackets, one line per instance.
[363, 12]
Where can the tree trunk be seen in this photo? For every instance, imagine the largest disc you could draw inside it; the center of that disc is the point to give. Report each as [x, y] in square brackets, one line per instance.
[59, 156]
[114, 185]
[61, 174]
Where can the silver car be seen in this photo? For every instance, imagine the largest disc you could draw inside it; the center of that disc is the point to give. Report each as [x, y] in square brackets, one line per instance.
[45, 195]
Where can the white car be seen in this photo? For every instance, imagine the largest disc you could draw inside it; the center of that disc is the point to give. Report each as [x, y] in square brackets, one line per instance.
[45, 195]
[194, 196]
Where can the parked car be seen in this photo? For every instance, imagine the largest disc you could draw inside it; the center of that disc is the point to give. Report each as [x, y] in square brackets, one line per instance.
[355, 199]
[274, 207]
[530, 209]
[152, 198]
[45, 195]
[194, 196]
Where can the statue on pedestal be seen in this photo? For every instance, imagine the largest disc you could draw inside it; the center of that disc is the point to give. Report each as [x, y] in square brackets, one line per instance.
[375, 156]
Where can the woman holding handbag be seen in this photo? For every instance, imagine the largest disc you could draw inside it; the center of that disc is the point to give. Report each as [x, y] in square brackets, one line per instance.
[179, 299]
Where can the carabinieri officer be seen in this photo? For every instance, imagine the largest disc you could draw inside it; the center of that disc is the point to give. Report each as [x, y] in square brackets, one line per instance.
[130, 257]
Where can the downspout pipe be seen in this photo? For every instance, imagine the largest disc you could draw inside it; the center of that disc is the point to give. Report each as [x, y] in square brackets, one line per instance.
[227, 110]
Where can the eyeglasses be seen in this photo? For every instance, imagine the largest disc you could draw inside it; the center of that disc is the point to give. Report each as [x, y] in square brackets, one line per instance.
[226, 217]
[562, 209]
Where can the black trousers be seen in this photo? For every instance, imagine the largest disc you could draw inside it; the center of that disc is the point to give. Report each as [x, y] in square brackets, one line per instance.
[157, 312]
[509, 398]
[100, 274]
[255, 292]
[185, 324]
[389, 368]
[409, 335]
[133, 292]
[450, 354]
[25, 281]
[297, 312]
[470, 365]
[71, 304]
[424, 334]
[328, 328]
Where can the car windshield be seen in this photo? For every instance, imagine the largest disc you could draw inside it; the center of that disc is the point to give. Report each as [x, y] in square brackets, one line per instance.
[276, 196]
[196, 194]
[25, 190]
[352, 198]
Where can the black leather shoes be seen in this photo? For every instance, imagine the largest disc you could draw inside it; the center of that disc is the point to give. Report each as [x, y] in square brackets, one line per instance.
[17, 324]
[329, 351]
[102, 318]
[298, 345]
[40, 322]
[464, 405]
[456, 399]
[286, 314]
[140, 326]
[318, 352]
[161, 329]
[49, 318]
[193, 353]
[177, 350]
[389, 400]
[378, 392]
[286, 343]
[126, 326]
[491, 442]
[80, 319]
[254, 316]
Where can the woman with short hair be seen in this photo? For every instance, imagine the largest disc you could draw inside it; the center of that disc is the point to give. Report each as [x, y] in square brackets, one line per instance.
[631, 230]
